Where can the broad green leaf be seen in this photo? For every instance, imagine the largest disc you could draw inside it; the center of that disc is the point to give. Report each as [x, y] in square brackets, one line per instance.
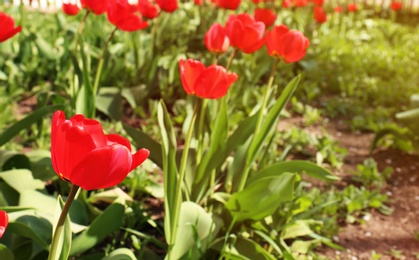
[304, 247]
[25, 123]
[21, 180]
[271, 120]
[45, 48]
[61, 250]
[299, 228]
[36, 228]
[41, 166]
[295, 166]
[8, 196]
[17, 161]
[196, 228]
[109, 102]
[85, 102]
[141, 140]
[44, 205]
[6, 253]
[409, 117]
[120, 254]
[261, 198]
[103, 225]
[244, 248]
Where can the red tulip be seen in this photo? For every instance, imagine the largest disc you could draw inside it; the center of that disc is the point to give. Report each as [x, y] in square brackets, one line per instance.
[216, 39]
[319, 14]
[212, 82]
[148, 9]
[338, 9]
[286, 3]
[300, 3]
[288, 44]
[199, 2]
[265, 15]
[167, 5]
[70, 9]
[98, 7]
[396, 6]
[352, 7]
[8, 29]
[4, 221]
[125, 16]
[245, 33]
[83, 155]
[227, 4]
[318, 2]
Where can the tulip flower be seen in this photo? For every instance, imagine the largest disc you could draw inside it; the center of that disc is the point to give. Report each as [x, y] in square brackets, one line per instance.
[98, 7]
[216, 39]
[396, 6]
[227, 4]
[8, 29]
[245, 33]
[212, 82]
[199, 2]
[70, 9]
[286, 3]
[148, 9]
[4, 221]
[168, 6]
[319, 14]
[300, 3]
[83, 155]
[265, 15]
[289, 45]
[352, 7]
[338, 9]
[125, 16]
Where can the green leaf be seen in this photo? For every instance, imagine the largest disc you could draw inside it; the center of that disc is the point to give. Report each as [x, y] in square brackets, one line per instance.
[43, 204]
[41, 165]
[6, 253]
[195, 231]
[270, 120]
[295, 166]
[33, 227]
[121, 254]
[299, 228]
[109, 102]
[245, 248]
[265, 195]
[85, 97]
[45, 48]
[106, 223]
[18, 161]
[21, 180]
[25, 123]
[62, 249]
[141, 139]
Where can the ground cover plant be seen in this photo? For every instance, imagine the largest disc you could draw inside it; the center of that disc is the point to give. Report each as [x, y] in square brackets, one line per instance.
[201, 129]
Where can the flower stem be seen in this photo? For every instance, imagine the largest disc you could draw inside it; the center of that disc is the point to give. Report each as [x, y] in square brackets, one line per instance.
[230, 60]
[54, 250]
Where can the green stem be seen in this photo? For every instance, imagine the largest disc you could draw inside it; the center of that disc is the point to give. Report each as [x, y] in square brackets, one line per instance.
[201, 129]
[54, 251]
[80, 29]
[182, 168]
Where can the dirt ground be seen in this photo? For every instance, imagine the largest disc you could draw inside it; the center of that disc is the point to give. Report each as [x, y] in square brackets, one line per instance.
[395, 236]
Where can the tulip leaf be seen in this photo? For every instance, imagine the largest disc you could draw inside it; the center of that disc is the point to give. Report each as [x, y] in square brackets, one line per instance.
[36, 228]
[262, 197]
[21, 180]
[295, 166]
[85, 97]
[41, 166]
[26, 122]
[109, 102]
[270, 120]
[103, 225]
[244, 249]
[45, 48]
[120, 254]
[6, 253]
[141, 140]
[61, 250]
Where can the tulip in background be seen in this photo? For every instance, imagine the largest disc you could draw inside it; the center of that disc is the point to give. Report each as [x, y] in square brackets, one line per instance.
[212, 82]
[216, 39]
[338, 9]
[265, 15]
[245, 33]
[4, 221]
[300, 3]
[352, 7]
[70, 9]
[319, 14]
[396, 6]
[125, 16]
[8, 28]
[227, 4]
[286, 3]
[168, 6]
[318, 2]
[148, 9]
[98, 7]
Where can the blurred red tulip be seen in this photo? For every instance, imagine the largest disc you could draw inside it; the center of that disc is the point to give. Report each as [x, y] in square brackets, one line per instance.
[319, 14]
[148, 9]
[352, 7]
[318, 2]
[168, 6]
[199, 2]
[338, 9]
[227, 4]
[286, 3]
[125, 16]
[245, 33]
[98, 7]
[8, 29]
[396, 6]
[212, 82]
[291, 45]
[70, 9]
[83, 155]
[300, 3]
[216, 39]
[265, 15]
[4, 221]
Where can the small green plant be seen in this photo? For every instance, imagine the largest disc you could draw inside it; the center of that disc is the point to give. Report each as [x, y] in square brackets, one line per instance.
[369, 175]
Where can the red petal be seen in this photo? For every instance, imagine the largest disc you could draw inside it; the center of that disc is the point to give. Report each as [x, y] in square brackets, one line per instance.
[189, 72]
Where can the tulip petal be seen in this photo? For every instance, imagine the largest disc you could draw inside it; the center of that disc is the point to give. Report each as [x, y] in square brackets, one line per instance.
[189, 72]
[139, 157]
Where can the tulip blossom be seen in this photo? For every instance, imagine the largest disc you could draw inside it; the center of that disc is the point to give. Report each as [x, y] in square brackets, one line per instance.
[83, 155]
[199, 2]
[168, 6]
[4, 221]
[300, 3]
[245, 33]
[70, 9]
[8, 28]
[265, 15]
[396, 6]
[338, 9]
[352, 7]
[227, 4]
[286, 3]
[319, 14]
[289, 45]
[125, 16]
[98, 7]
[148, 9]
[216, 39]
[212, 82]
